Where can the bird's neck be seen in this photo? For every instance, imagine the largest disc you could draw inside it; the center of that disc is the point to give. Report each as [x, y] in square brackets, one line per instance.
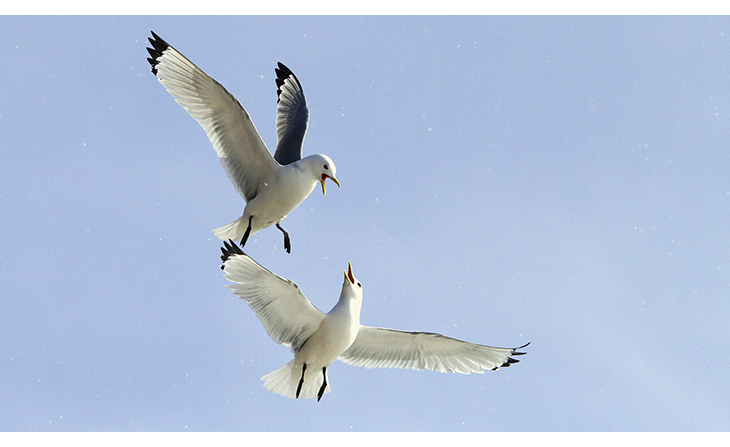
[301, 174]
[348, 307]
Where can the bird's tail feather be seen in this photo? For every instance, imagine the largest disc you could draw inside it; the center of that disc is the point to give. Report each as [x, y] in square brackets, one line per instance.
[232, 231]
[285, 381]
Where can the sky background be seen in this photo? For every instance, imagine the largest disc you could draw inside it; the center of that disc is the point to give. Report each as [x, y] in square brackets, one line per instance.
[563, 181]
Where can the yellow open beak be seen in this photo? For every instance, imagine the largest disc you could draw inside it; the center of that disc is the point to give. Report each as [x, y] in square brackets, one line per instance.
[348, 274]
[322, 180]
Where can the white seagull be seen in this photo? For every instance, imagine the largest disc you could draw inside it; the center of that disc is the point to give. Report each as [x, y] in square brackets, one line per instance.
[318, 339]
[271, 186]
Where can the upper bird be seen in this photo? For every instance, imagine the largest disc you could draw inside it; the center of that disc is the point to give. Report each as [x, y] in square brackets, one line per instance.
[271, 186]
[318, 339]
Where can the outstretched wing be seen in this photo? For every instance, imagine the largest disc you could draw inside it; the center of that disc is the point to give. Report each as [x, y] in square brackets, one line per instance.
[287, 315]
[390, 348]
[292, 116]
[238, 144]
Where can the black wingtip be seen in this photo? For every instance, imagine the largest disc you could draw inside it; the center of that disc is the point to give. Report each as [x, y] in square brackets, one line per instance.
[514, 351]
[282, 74]
[510, 360]
[158, 47]
[229, 249]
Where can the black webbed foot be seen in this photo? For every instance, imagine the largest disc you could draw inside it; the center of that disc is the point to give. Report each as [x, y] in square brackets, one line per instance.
[248, 231]
[324, 384]
[287, 241]
[301, 381]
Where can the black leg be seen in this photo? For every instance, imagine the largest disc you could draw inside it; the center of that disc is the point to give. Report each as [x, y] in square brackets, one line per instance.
[248, 230]
[287, 242]
[301, 381]
[324, 383]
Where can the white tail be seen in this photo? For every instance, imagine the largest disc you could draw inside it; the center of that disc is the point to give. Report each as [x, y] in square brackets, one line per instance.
[233, 231]
[285, 381]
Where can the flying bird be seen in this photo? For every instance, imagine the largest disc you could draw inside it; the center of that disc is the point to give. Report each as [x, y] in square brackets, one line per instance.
[271, 186]
[317, 339]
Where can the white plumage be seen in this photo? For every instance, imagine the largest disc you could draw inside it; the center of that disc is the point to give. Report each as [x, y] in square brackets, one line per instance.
[318, 339]
[271, 186]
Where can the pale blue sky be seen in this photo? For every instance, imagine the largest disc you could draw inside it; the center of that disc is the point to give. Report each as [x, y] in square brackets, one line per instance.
[558, 180]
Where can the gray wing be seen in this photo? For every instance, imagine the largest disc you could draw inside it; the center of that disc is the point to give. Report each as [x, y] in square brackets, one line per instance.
[238, 144]
[287, 315]
[292, 116]
[390, 348]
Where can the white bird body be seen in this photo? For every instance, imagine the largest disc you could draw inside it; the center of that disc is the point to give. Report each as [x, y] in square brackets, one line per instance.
[318, 339]
[334, 335]
[271, 186]
[280, 193]
[336, 332]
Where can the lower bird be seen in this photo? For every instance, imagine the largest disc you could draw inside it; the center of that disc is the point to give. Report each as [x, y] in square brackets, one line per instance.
[318, 339]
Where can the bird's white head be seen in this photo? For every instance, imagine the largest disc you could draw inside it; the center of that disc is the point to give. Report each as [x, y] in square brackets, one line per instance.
[327, 170]
[351, 284]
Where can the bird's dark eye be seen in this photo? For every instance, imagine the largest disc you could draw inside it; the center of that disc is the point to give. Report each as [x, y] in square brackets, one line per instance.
[358, 284]
[326, 167]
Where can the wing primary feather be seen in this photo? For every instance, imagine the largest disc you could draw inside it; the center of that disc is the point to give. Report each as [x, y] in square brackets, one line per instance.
[229, 249]
[282, 73]
[159, 45]
[523, 346]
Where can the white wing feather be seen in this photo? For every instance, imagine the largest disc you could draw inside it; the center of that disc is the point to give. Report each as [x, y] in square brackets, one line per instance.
[390, 348]
[287, 315]
[238, 144]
